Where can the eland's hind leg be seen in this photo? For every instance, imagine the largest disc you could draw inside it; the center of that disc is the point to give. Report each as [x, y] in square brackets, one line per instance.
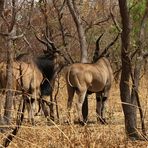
[104, 98]
[30, 108]
[85, 109]
[44, 103]
[81, 98]
[71, 92]
[100, 99]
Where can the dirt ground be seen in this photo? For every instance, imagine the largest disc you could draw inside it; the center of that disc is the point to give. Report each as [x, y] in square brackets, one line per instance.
[93, 135]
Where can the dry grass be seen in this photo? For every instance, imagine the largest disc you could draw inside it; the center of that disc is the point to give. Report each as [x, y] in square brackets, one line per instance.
[91, 136]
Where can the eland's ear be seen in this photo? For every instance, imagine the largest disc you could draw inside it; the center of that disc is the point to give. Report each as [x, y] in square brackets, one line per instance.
[96, 56]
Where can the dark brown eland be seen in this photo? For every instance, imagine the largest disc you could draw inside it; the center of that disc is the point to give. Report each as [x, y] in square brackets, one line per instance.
[37, 75]
[84, 79]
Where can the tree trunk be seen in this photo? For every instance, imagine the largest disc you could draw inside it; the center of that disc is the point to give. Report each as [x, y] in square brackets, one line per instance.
[60, 16]
[77, 19]
[139, 61]
[1, 116]
[9, 92]
[83, 45]
[11, 33]
[127, 104]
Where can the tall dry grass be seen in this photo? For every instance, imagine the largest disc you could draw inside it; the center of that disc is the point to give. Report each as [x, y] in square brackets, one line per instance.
[93, 135]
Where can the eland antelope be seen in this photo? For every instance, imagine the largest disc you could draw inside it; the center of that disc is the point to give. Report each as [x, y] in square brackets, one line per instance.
[37, 75]
[88, 78]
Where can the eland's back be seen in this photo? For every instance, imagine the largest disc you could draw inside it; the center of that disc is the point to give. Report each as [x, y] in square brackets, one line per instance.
[29, 73]
[92, 77]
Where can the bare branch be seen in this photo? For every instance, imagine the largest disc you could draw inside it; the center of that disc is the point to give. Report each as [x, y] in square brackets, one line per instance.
[44, 11]
[91, 24]
[115, 21]
[4, 34]
[102, 21]
[60, 16]
[17, 36]
[20, 5]
[5, 20]
[134, 53]
[30, 13]
[13, 19]
[62, 6]
[27, 42]
[134, 4]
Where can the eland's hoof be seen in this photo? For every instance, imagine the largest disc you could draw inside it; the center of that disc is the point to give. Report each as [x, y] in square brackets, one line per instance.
[68, 122]
[103, 121]
[82, 123]
[85, 121]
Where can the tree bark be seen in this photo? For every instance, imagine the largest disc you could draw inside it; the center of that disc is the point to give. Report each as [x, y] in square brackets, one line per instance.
[1, 11]
[139, 61]
[60, 16]
[1, 7]
[11, 33]
[81, 33]
[128, 105]
[9, 92]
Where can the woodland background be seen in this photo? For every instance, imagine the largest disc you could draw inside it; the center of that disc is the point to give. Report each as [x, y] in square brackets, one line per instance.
[21, 20]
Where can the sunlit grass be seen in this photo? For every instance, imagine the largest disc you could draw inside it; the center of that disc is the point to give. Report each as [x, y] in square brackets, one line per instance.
[93, 135]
